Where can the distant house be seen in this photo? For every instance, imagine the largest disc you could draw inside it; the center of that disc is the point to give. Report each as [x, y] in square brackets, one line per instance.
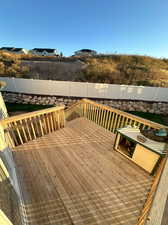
[44, 52]
[19, 51]
[85, 52]
[14, 50]
[7, 49]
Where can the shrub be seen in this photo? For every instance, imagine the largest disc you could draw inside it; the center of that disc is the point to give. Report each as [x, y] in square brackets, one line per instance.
[125, 69]
[10, 65]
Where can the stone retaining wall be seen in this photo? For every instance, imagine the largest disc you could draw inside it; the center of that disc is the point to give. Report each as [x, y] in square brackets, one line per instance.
[126, 105]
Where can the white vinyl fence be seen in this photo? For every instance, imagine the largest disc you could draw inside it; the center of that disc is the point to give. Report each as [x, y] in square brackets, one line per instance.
[85, 90]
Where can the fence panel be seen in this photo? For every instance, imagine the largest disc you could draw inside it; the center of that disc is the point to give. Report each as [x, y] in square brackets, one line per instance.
[85, 90]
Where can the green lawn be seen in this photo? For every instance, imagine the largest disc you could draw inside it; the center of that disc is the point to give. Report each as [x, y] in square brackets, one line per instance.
[150, 116]
[13, 107]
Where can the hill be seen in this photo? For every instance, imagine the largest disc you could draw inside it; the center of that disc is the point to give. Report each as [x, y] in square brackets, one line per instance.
[125, 69]
[113, 69]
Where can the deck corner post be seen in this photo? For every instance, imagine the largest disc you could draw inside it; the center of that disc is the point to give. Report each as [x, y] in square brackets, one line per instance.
[3, 143]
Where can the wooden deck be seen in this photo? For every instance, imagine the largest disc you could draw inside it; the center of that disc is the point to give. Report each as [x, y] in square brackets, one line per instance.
[165, 215]
[73, 176]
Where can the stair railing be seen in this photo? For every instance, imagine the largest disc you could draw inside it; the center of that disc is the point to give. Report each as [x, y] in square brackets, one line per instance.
[29, 126]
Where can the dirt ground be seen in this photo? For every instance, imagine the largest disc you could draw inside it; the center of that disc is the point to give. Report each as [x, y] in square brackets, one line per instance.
[46, 70]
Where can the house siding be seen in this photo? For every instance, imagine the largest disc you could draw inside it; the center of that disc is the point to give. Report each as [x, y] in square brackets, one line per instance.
[45, 53]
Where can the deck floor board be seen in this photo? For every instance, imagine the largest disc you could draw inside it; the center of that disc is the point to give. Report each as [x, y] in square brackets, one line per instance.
[73, 176]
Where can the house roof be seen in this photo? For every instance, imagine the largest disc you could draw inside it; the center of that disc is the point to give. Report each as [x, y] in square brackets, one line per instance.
[11, 49]
[49, 50]
[17, 49]
[86, 50]
[7, 48]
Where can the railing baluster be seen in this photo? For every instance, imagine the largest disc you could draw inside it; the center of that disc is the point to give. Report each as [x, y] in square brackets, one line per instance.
[55, 116]
[118, 122]
[13, 133]
[80, 110]
[96, 114]
[109, 120]
[134, 123]
[115, 121]
[111, 126]
[62, 119]
[101, 115]
[48, 124]
[37, 126]
[27, 127]
[106, 119]
[122, 121]
[88, 111]
[18, 132]
[51, 121]
[130, 122]
[91, 112]
[58, 119]
[41, 127]
[63, 115]
[138, 124]
[32, 126]
[44, 124]
[84, 110]
[126, 121]
[23, 129]
[104, 116]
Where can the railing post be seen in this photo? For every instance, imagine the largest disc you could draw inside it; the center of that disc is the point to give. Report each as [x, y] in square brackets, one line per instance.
[154, 206]
[3, 143]
[84, 110]
[4, 219]
[63, 117]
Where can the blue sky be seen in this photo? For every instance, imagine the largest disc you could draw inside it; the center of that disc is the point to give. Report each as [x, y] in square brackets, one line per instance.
[108, 26]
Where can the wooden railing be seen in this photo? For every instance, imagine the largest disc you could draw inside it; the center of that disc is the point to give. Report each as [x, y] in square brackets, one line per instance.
[23, 128]
[107, 117]
[151, 195]
[26, 127]
[111, 119]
